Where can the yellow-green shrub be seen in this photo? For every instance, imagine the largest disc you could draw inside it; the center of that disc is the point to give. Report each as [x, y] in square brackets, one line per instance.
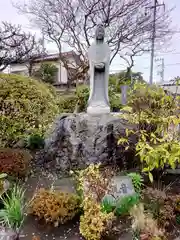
[156, 115]
[54, 206]
[93, 184]
[26, 105]
[82, 94]
[67, 104]
[94, 223]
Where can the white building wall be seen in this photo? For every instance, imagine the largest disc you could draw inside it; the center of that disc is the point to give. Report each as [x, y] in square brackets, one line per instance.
[62, 73]
[22, 69]
[173, 89]
[19, 68]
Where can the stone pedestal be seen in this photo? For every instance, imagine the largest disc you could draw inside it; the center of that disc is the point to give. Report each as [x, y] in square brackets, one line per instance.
[77, 140]
[98, 110]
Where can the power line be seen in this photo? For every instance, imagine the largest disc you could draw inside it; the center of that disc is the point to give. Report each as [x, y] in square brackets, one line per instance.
[166, 65]
[173, 64]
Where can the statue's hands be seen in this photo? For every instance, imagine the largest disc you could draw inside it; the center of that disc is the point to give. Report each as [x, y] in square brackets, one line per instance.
[99, 66]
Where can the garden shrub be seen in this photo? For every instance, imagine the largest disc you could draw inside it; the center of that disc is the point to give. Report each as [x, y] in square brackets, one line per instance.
[54, 207]
[144, 226]
[82, 94]
[14, 162]
[125, 204]
[26, 106]
[35, 141]
[47, 72]
[67, 104]
[93, 183]
[161, 205]
[155, 114]
[94, 223]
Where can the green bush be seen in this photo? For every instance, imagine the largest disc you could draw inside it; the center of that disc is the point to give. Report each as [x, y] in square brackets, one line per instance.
[121, 206]
[47, 72]
[82, 94]
[35, 141]
[67, 104]
[156, 116]
[27, 106]
[126, 203]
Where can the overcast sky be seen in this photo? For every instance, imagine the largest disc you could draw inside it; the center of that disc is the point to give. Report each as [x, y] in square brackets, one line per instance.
[171, 55]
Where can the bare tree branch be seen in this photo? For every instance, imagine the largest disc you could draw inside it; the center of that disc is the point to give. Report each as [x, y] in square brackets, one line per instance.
[128, 24]
[15, 45]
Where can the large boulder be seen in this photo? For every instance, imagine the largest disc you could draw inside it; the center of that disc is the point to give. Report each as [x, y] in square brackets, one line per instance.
[77, 140]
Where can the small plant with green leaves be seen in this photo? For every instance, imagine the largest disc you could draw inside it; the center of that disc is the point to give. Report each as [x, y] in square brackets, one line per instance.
[125, 204]
[120, 206]
[137, 181]
[12, 216]
[178, 219]
[108, 204]
[35, 141]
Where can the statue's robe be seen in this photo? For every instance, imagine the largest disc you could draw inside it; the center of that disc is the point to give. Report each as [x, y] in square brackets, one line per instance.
[99, 53]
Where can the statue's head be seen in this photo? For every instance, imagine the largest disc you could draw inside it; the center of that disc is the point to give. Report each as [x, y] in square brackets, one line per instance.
[100, 32]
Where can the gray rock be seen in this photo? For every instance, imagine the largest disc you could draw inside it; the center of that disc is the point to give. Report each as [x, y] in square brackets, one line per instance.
[7, 234]
[20, 144]
[77, 140]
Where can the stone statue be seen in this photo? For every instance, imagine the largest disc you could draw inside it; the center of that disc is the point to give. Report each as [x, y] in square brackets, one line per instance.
[99, 59]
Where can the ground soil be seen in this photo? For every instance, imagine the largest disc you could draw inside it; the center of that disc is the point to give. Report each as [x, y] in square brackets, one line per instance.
[31, 226]
[70, 231]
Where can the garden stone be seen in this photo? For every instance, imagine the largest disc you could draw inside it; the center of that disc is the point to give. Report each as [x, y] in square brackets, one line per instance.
[78, 140]
[7, 234]
[20, 144]
[124, 89]
[126, 236]
[123, 186]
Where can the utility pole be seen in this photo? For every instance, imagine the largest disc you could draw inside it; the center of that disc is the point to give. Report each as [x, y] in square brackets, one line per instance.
[156, 4]
[161, 72]
[43, 49]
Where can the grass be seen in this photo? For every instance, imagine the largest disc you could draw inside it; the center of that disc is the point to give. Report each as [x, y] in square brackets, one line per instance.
[12, 216]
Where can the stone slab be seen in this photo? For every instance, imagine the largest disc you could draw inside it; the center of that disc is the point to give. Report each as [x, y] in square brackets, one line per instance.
[123, 186]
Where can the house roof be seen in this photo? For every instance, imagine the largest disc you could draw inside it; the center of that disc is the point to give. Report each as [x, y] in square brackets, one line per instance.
[171, 83]
[51, 57]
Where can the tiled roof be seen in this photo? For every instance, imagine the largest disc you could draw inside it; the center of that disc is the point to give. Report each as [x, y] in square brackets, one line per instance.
[50, 57]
